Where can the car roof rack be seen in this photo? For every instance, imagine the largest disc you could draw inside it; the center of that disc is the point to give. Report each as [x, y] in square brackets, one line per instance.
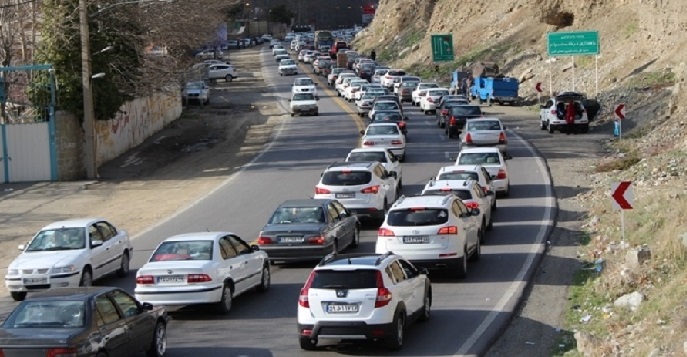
[383, 256]
[327, 258]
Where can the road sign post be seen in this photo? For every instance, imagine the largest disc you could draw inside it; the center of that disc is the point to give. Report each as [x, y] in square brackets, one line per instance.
[442, 48]
[578, 43]
[620, 115]
[537, 87]
[622, 198]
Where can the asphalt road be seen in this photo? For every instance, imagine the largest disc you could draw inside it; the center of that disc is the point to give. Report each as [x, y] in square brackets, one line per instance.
[467, 316]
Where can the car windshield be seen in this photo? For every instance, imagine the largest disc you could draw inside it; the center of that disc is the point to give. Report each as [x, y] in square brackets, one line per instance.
[288, 215]
[378, 156]
[397, 73]
[183, 250]
[462, 194]
[194, 85]
[337, 70]
[437, 93]
[409, 84]
[466, 110]
[48, 314]
[345, 279]
[288, 62]
[483, 125]
[479, 158]
[382, 130]
[303, 82]
[303, 96]
[386, 106]
[346, 178]
[413, 217]
[459, 175]
[58, 239]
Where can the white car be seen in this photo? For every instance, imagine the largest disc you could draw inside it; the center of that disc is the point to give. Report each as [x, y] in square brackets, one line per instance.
[369, 88]
[353, 87]
[391, 76]
[340, 78]
[202, 268]
[366, 188]
[309, 56]
[552, 113]
[435, 232]
[380, 154]
[387, 135]
[341, 87]
[405, 79]
[493, 160]
[428, 102]
[304, 85]
[364, 104]
[304, 103]
[469, 172]
[196, 91]
[472, 195]
[371, 296]
[277, 48]
[287, 67]
[420, 91]
[68, 254]
[221, 71]
[487, 131]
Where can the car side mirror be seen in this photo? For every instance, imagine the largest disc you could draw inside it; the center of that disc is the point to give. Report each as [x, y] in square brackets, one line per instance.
[146, 306]
[96, 243]
[475, 212]
[423, 270]
[490, 193]
[507, 157]
[289, 100]
[21, 247]
[505, 127]
[255, 247]
[362, 132]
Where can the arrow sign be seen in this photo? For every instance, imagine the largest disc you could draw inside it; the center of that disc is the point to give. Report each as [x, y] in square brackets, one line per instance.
[538, 87]
[622, 195]
[620, 111]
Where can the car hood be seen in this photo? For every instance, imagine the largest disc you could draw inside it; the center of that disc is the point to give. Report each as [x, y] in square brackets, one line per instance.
[303, 102]
[293, 228]
[37, 337]
[299, 88]
[42, 260]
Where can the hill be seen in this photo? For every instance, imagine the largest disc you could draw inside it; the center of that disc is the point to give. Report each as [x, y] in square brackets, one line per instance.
[643, 44]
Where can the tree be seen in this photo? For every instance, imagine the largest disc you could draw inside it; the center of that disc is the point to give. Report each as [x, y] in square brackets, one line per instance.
[281, 14]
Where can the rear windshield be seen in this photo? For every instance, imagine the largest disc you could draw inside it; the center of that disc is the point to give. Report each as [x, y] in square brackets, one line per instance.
[467, 110]
[349, 279]
[346, 178]
[413, 217]
[438, 92]
[462, 194]
[367, 156]
[479, 158]
[382, 130]
[397, 73]
[484, 125]
[383, 106]
[459, 175]
[183, 250]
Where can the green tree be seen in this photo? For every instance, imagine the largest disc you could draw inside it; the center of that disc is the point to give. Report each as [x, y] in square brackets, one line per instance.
[281, 14]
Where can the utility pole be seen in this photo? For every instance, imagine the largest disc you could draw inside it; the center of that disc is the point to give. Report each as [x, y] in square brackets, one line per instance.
[88, 111]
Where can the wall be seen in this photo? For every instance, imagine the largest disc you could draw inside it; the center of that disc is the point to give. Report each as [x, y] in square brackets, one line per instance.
[69, 140]
[137, 120]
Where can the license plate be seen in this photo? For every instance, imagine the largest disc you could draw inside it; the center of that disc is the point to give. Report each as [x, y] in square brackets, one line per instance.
[35, 281]
[342, 308]
[170, 279]
[415, 239]
[291, 239]
[345, 195]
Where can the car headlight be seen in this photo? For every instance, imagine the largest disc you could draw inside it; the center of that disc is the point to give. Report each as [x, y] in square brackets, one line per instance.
[65, 269]
[12, 272]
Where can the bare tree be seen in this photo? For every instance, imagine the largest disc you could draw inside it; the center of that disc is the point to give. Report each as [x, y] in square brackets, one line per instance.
[12, 13]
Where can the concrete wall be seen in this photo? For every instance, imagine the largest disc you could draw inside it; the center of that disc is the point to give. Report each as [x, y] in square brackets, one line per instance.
[137, 120]
[69, 141]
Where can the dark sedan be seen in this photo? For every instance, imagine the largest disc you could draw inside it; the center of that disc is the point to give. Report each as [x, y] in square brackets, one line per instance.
[391, 116]
[302, 230]
[458, 115]
[442, 112]
[85, 321]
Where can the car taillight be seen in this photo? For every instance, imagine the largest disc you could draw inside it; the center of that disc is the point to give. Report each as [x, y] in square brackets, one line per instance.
[472, 205]
[448, 230]
[385, 232]
[198, 278]
[371, 189]
[553, 111]
[322, 191]
[444, 112]
[402, 124]
[468, 138]
[264, 240]
[145, 280]
[396, 142]
[452, 121]
[57, 352]
[384, 295]
[303, 297]
[317, 240]
[502, 138]
[501, 175]
[368, 143]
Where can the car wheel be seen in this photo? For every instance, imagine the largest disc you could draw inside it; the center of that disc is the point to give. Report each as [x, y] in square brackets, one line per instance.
[542, 126]
[224, 304]
[493, 205]
[228, 78]
[158, 345]
[548, 125]
[395, 342]
[18, 295]
[506, 192]
[317, 113]
[123, 270]
[356, 238]
[266, 279]
[101, 354]
[307, 343]
[291, 114]
[463, 265]
[490, 225]
[483, 230]
[281, 75]
[426, 307]
[477, 254]
[86, 278]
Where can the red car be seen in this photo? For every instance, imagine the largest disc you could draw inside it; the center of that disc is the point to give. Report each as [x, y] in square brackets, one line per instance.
[338, 45]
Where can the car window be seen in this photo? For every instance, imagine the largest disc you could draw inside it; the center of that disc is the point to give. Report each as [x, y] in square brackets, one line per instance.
[409, 270]
[409, 217]
[378, 156]
[382, 130]
[106, 309]
[332, 212]
[395, 117]
[461, 208]
[183, 250]
[47, 314]
[459, 175]
[341, 209]
[127, 304]
[105, 229]
[439, 93]
[240, 246]
[303, 82]
[58, 239]
[94, 233]
[479, 158]
[346, 178]
[397, 272]
[344, 279]
[226, 249]
[466, 110]
[484, 125]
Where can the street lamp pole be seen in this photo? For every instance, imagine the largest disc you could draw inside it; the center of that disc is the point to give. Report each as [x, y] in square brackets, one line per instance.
[90, 156]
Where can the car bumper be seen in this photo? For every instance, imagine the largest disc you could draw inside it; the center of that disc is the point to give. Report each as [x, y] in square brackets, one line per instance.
[433, 263]
[500, 185]
[297, 253]
[288, 71]
[16, 284]
[187, 295]
[303, 110]
[430, 106]
[367, 212]
[347, 330]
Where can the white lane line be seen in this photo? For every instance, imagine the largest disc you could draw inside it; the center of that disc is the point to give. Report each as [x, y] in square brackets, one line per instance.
[519, 283]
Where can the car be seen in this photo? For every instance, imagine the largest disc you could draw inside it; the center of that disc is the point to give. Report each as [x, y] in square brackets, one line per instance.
[405, 79]
[304, 103]
[365, 188]
[196, 91]
[469, 172]
[552, 113]
[493, 160]
[275, 43]
[369, 88]
[69, 253]
[388, 97]
[385, 134]
[487, 131]
[391, 76]
[364, 104]
[362, 296]
[383, 155]
[365, 70]
[405, 91]
[421, 88]
[442, 111]
[391, 116]
[345, 81]
[354, 86]
[277, 48]
[304, 85]
[308, 229]
[383, 105]
[321, 63]
[221, 71]
[287, 67]
[334, 74]
[428, 102]
[84, 321]
[301, 55]
[280, 57]
[202, 268]
[432, 231]
[452, 98]
[472, 195]
[458, 115]
[309, 56]
[340, 79]
[378, 74]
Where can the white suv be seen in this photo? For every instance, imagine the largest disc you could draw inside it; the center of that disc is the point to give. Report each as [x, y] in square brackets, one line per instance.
[436, 232]
[365, 188]
[364, 297]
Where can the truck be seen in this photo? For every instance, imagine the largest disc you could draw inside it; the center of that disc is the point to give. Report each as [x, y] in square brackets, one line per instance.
[499, 89]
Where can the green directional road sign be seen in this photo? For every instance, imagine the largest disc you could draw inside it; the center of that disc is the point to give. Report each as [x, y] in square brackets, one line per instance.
[582, 43]
[442, 48]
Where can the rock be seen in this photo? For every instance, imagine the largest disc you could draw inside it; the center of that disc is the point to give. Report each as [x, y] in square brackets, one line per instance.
[527, 74]
[635, 258]
[587, 344]
[631, 301]
[416, 47]
[683, 239]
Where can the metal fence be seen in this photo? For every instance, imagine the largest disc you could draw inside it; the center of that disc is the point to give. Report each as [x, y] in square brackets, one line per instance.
[27, 94]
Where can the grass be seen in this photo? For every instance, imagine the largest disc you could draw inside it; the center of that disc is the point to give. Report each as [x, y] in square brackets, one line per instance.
[630, 29]
[620, 163]
[652, 80]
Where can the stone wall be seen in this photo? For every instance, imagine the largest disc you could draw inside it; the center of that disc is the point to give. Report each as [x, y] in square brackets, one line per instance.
[69, 140]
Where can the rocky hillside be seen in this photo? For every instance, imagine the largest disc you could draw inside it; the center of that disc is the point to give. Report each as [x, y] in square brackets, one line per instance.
[629, 300]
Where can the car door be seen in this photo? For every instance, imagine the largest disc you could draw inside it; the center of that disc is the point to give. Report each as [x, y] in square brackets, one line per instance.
[253, 261]
[416, 285]
[545, 110]
[100, 253]
[335, 227]
[468, 222]
[348, 220]
[484, 202]
[395, 164]
[114, 245]
[389, 183]
[112, 327]
[140, 324]
[403, 286]
[232, 265]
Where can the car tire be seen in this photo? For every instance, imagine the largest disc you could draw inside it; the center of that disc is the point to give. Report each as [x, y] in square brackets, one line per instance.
[490, 225]
[158, 346]
[542, 126]
[307, 343]
[462, 272]
[223, 306]
[317, 113]
[356, 238]
[281, 75]
[86, 278]
[123, 270]
[426, 307]
[265, 280]
[18, 295]
[292, 114]
[548, 125]
[483, 230]
[477, 254]
[229, 78]
[395, 342]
